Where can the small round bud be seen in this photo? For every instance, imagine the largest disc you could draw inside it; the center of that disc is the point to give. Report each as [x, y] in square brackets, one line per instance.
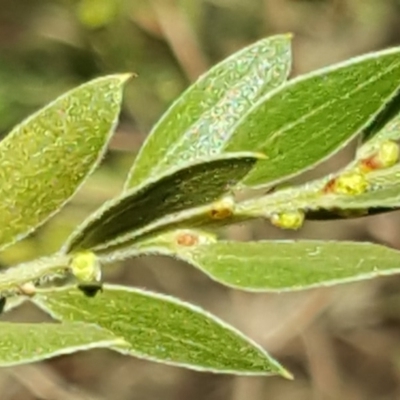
[187, 239]
[388, 153]
[386, 156]
[27, 289]
[223, 208]
[288, 219]
[86, 268]
[350, 183]
[190, 238]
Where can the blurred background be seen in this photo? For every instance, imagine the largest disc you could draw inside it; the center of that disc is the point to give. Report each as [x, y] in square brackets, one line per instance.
[340, 343]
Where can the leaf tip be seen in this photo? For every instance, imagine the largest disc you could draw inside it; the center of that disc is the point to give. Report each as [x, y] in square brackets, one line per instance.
[286, 374]
[260, 156]
[124, 77]
[288, 35]
[121, 343]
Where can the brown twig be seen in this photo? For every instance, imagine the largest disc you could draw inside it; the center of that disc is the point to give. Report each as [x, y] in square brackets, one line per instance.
[180, 36]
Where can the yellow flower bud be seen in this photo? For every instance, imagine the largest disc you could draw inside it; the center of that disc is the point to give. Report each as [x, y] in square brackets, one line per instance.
[86, 267]
[288, 219]
[388, 153]
[350, 183]
[386, 156]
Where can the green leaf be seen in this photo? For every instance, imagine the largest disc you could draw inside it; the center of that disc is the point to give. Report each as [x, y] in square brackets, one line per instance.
[163, 329]
[44, 160]
[23, 343]
[194, 185]
[385, 128]
[288, 266]
[313, 116]
[390, 111]
[201, 121]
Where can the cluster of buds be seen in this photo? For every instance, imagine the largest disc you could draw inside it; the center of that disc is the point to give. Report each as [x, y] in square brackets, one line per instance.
[355, 182]
[351, 182]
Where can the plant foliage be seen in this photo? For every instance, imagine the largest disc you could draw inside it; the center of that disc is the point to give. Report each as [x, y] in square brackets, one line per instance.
[242, 124]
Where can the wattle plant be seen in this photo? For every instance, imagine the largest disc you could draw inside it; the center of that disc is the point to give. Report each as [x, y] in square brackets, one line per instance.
[242, 125]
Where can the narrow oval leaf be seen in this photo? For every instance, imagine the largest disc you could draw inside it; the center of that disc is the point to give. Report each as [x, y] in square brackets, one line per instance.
[163, 329]
[200, 122]
[313, 116]
[193, 186]
[23, 343]
[44, 160]
[289, 266]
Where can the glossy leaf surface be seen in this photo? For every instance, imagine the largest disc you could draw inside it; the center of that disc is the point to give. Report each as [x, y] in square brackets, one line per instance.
[201, 121]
